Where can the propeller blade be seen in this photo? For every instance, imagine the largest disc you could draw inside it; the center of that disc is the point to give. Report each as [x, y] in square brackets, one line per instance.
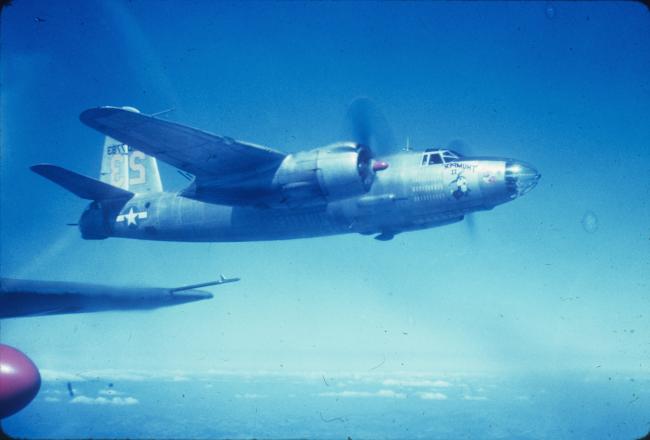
[470, 221]
[358, 118]
[460, 146]
[369, 127]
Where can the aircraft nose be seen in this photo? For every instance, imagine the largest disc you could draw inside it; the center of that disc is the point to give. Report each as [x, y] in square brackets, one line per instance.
[520, 178]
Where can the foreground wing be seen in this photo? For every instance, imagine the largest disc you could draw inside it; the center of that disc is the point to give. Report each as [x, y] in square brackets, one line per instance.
[218, 162]
[24, 298]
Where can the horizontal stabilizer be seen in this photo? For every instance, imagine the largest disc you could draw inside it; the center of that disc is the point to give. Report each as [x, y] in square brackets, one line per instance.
[82, 186]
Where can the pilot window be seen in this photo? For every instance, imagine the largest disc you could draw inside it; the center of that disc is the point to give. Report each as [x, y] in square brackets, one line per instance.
[449, 158]
[431, 159]
[434, 159]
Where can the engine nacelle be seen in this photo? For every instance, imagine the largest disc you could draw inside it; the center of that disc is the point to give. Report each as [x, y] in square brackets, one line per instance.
[334, 172]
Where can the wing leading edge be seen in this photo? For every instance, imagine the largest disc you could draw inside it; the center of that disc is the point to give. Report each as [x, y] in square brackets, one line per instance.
[226, 170]
[24, 298]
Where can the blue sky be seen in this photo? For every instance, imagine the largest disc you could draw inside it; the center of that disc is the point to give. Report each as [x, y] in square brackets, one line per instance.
[562, 85]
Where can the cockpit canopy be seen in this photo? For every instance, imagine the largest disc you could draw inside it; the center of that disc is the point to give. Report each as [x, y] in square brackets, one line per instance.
[433, 156]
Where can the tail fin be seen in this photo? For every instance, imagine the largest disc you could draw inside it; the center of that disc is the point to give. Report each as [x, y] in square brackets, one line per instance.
[128, 168]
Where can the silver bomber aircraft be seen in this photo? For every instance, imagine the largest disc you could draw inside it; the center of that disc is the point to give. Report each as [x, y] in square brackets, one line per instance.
[244, 192]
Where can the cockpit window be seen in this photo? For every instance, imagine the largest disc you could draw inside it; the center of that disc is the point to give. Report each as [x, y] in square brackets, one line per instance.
[434, 158]
[448, 156]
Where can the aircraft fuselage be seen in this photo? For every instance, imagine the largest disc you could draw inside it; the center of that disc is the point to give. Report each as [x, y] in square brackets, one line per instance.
[413, 193]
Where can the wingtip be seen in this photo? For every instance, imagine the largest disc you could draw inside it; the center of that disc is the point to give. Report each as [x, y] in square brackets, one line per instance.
[42, 168]
[90, 115]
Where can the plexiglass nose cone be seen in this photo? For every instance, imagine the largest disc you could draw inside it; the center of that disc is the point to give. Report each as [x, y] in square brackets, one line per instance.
[520, 178]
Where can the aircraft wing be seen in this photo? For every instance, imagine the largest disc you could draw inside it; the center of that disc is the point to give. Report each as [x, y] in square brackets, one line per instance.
[24, 298]
[226, 170]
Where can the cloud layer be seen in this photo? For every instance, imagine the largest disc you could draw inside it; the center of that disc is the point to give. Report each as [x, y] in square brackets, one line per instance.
[101, 400]
[381, 393]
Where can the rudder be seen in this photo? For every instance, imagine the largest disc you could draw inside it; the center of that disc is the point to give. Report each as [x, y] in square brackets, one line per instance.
[128, 168]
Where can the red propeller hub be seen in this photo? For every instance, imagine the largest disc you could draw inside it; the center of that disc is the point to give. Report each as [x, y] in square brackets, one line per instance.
[19, 381]
[379, 165]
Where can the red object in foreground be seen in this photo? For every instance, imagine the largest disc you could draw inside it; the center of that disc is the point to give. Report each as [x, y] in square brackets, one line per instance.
[19, 381]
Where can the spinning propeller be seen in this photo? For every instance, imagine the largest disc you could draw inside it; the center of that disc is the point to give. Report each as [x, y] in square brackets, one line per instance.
[369, 128]
[460, 146]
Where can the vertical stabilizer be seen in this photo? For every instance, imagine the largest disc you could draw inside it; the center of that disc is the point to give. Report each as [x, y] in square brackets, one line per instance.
[143, 173]
[129, 169]
[115, 164]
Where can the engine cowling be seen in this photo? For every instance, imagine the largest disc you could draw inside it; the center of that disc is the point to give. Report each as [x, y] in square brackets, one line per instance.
[334, 172]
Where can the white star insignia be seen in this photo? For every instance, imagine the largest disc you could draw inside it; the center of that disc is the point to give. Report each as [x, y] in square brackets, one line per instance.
[131, 217]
